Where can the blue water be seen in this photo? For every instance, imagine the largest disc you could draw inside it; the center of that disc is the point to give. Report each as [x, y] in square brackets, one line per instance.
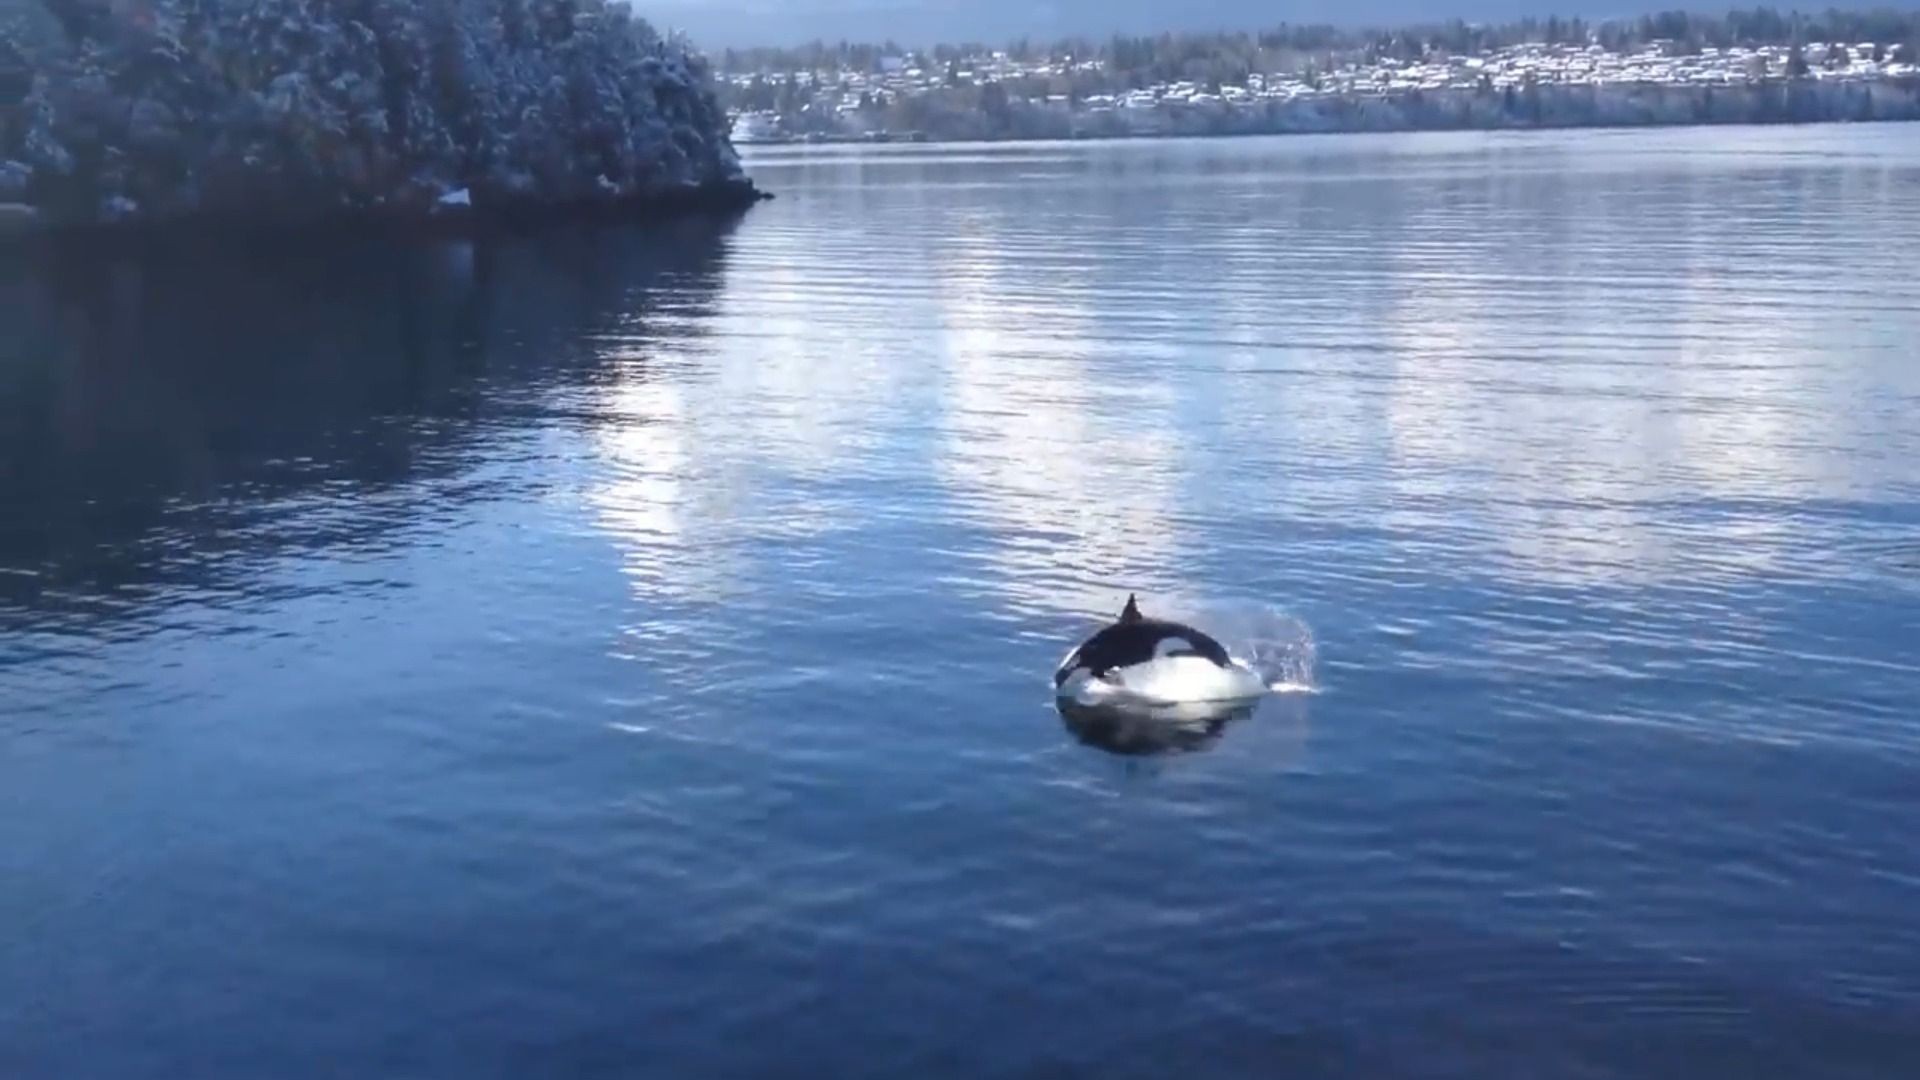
[624, 653]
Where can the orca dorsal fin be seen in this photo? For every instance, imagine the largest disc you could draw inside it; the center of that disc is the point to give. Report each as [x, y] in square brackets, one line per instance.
[1130, 613]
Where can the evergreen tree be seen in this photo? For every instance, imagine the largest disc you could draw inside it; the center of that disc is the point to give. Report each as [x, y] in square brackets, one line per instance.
[168, 107]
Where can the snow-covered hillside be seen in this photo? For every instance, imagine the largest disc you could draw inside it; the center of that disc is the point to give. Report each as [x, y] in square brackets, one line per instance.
[1623, 104]
[296, 109]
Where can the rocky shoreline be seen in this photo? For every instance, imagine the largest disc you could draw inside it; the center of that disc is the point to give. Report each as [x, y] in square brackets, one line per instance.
[22, 224]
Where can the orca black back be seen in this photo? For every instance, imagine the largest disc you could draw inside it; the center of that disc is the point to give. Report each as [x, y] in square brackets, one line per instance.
[1135, 639]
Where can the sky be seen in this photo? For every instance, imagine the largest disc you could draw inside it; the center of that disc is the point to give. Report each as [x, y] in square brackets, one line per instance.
[716, 24]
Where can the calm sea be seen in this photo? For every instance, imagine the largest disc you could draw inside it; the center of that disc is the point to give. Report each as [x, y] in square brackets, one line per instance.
[624, 653]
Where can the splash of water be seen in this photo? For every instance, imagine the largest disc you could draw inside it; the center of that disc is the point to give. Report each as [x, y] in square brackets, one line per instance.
[1278, 646]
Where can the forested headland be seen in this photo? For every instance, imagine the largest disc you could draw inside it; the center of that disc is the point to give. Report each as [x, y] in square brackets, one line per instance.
[156, 111]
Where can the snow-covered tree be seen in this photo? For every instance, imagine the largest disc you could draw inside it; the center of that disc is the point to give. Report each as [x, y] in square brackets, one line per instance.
[161, 108]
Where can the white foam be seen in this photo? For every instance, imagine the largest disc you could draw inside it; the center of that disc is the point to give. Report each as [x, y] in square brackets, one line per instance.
[1173, 680]
[1283, 687]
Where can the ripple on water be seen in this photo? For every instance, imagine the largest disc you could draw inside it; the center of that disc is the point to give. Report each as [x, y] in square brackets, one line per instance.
[627, 649]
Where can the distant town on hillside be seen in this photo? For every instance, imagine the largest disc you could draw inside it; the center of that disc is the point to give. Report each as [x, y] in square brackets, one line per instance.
[1750, 66]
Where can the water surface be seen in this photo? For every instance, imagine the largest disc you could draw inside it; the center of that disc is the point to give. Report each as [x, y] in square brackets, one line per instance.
[624, 653]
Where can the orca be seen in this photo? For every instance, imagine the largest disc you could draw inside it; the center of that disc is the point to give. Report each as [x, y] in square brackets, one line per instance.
[1153, 662]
